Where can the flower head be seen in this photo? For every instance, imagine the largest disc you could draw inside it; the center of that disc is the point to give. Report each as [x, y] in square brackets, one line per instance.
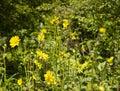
[14, 41]
[102, 30]
[83, 48]
[19, 82]
[41, 37]
[49, 78]
[110, 60]
[65, 23]
[56, 19]
[43, 31]
[42, 55]
[73, 35]
[83, 66]
[39, 65]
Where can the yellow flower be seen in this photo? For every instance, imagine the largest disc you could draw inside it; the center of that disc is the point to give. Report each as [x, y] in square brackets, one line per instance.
[41, 37]
[101, 88]
[39, 53]
[83, 48]
[43, 31]
[83, 66]
[39, 65]
[64, 55]
[49, 78]
[56, 19]
[42, 55]
[110, 60]
[102, 30]
[19, 82]
[73, 36]
[14, 41]
[65, 23]
[35, 62]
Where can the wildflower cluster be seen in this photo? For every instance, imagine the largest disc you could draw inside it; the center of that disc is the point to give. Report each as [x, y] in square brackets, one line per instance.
[63, 45]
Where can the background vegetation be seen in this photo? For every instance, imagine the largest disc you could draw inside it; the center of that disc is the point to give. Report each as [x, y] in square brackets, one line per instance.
[59, 45]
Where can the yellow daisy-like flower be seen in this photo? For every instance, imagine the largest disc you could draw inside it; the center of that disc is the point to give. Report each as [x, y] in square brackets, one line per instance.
[14, 41]
[65, 23]
[73, 35]
[39, 65]
[41, 37]
[49, 78]
[19, 82]
[42, 55]
[110, 60]
[39, 53]
[102, 30]
[56, 19]
[43, 31]
[83, 48]
[83, 66]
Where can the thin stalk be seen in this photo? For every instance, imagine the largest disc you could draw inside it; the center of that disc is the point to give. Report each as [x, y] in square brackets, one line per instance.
[63, 76]
[56, 52]
[4, 72]
[21, 88]
[4, 62]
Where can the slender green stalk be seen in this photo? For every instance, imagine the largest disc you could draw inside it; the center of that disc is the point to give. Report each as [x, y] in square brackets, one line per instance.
[63, 76]
[4, 62]
[4, 73]
[20, 88]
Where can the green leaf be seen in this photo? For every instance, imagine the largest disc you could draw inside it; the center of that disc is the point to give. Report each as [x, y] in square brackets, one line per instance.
[99, 57]
[101, 66]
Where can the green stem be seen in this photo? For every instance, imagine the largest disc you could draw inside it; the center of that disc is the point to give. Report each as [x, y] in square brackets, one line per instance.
[20, 88]
[63, 80]
[4, 62]
[4, 72]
